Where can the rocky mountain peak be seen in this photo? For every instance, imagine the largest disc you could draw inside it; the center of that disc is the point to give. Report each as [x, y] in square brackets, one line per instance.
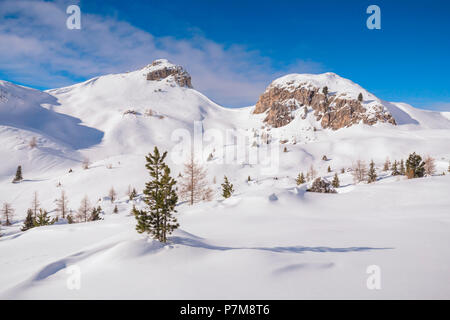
[336, 102]
[162, 69]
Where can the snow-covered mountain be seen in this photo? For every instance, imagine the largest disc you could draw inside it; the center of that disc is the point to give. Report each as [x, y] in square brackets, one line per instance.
[114, 120]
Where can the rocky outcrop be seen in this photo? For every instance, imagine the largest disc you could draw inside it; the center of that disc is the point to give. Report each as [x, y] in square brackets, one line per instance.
[161, 69]
[321, 186]
[333, 110]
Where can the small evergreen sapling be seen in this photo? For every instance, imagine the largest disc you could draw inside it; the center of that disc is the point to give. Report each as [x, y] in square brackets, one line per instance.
[18, 176]
[42, 219]
[372, 174]
[394, 169]
[335, 183]
[300, 179]
[116, 210]
[29, 221]
[133, 194]
[227, 188]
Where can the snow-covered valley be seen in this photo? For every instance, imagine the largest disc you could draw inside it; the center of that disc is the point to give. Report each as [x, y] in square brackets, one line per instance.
[270, 240]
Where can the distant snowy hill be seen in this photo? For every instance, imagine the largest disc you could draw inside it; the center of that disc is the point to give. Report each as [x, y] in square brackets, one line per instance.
[130, 113]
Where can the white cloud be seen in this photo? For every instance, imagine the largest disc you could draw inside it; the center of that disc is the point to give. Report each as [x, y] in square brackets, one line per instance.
[41, 51]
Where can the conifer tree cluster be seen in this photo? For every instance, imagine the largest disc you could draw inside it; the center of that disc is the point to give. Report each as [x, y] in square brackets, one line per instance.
[95, 214]
[160, 197]
[415, 167]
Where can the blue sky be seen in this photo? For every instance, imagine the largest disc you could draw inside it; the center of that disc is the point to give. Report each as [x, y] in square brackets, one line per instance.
[234, 49]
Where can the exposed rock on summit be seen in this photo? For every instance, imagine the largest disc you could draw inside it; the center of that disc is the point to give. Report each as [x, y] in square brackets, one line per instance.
[337, 109]
[162, 69]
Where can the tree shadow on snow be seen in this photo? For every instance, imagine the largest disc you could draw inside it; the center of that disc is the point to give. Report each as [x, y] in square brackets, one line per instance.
[198, 243]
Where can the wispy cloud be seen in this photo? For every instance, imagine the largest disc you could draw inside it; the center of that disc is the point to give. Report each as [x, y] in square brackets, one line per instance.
[438, 106]
[42, 52]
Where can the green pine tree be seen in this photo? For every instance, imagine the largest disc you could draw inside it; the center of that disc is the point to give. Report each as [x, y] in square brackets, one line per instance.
[415, 167]
[227, 188]
[300, 179]
[160, 197]
[29, 221]
[372, 175]
[335, 183]
[95, 214]
[133, 194]
[116, 210]
[70, 219]
[18, 176]
[329, 169]
[394, 169]
[448, 167]
[360, 97]
[42, 219]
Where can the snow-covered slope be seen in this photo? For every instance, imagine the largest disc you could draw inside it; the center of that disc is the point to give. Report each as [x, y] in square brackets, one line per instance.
[283, 242]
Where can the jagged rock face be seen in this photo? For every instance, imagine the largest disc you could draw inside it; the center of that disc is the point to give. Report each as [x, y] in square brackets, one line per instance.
[159, 70]
[333, 111]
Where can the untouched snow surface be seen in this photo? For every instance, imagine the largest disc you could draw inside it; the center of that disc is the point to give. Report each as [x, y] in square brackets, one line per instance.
[271, 239]
[253, 245]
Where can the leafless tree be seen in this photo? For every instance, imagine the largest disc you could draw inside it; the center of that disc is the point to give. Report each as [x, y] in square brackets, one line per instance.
[33, 143]
[193, 185]
[35, 204]
[85, 164]
[61, 204]
[359, 171]
[311, 174]
[7, 212]
[387, 164]
[429, 165]
[112, 194]
[84, 210]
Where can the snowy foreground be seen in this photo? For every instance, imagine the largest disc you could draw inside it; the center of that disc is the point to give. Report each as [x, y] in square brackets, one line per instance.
[270, 241]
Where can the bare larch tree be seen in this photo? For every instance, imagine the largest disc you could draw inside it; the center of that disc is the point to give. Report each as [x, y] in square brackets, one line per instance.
[35, 204]
[7, 212]
[84, 210]
[194, 185]
[61, 204]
